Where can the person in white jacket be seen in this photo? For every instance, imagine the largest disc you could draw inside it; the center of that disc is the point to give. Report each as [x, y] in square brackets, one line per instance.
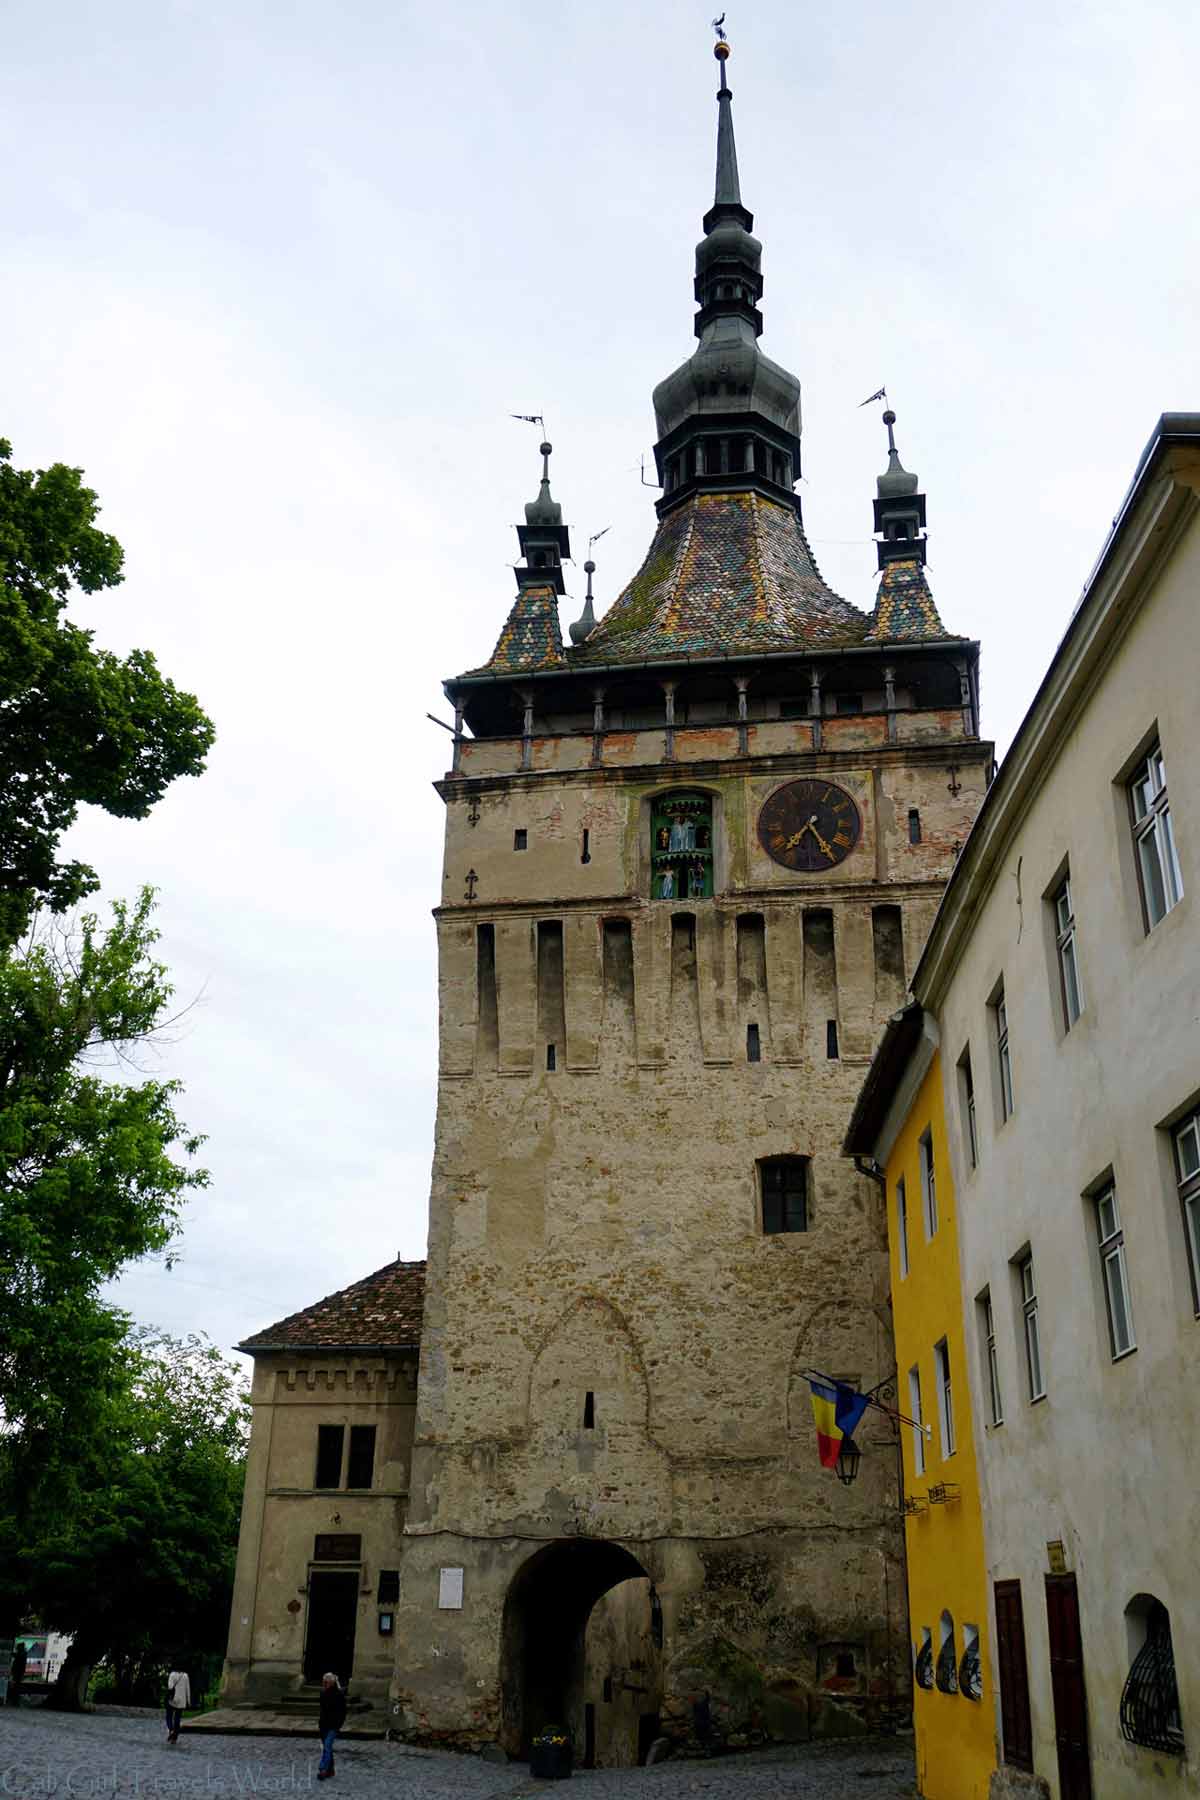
[179, 1695]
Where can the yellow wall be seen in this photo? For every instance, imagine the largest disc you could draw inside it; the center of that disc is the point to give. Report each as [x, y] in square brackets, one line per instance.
[946, 1567]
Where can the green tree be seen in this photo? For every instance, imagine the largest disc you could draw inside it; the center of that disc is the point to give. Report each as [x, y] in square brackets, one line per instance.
[78, 725]
[94, 1168]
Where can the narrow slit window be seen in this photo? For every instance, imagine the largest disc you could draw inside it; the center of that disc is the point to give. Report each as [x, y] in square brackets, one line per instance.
[928, 1185]
[551, 1058]
[902, 1226]
[918, 1423]
[753, 1044]
[914, 825]
[589, 1411]
[970, 1118]
[585, 854]
[831, 1040]
[520, 838]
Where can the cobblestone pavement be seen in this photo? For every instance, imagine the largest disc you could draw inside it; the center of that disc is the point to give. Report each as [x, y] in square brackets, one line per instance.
[93, 1756]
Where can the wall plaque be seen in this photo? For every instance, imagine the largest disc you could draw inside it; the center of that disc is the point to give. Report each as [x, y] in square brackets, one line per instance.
[1056, 1556]
[337, 1546]
[450, 1589]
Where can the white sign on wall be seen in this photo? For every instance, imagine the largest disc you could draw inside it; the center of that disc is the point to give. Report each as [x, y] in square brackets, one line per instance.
[450, 1589]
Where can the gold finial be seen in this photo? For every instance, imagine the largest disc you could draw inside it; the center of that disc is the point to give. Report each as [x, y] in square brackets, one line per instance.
[721, 47]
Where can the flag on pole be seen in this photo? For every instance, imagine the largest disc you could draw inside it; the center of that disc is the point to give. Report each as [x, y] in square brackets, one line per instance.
[837, 1408]
[879, 394]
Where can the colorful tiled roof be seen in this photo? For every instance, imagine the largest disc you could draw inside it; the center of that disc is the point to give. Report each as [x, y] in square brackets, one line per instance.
[532, 638]
[904, 608]
[381, 1312]
[725, 573]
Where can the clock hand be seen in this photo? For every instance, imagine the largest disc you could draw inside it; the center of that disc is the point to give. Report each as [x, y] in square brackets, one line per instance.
[810, 826]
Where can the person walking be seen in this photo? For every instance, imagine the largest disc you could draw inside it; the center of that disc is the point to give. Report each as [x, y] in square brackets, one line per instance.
[179, 1695]
[330, 1720]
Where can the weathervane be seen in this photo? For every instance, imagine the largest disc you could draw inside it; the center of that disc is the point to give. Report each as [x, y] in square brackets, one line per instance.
[718, 26]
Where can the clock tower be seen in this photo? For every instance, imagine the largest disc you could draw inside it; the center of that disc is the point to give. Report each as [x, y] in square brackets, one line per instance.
[689, 860]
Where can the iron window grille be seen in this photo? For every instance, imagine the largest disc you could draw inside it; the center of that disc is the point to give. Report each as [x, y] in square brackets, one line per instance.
[1187, 1166]
[1004, 1058]
[970, 1670]
[928, 1185]
[914, 1407]
[923, 1666]
[1111, 1240]
[1154, 840]
[1033, 1339]
[784, 1194]
[946, 1671]
[1068, 953]
[1150, 1698]
[987, 1320]
[902, 1225]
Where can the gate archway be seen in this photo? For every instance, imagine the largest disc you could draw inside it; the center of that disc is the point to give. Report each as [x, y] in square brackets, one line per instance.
[544, 1650]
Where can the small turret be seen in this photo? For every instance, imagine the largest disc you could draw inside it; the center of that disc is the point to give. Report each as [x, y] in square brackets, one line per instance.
[545, 544]
[899, 508]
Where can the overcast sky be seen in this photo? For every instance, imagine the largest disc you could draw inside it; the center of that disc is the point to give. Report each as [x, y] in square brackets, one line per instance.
[274, 275]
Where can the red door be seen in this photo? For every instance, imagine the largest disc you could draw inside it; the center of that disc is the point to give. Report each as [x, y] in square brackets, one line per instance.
[1014, 1678]
[1066, 1682]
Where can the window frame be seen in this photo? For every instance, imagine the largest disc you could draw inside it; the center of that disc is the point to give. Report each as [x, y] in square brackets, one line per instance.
[1110, 1247]
[902, 1226]
[325, 1434]
[1031, 1326]
[918, 1418]
[1066, 945]
[945, 1388]
[991, 1361]
[1153, 824]
[1003, 1056]
[360, 1439]
[1187, 1186]
[768, 1164]
[969, 1109]
[928, 1183]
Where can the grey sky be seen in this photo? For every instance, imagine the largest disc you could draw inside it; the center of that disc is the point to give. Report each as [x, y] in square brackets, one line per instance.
[275, 275]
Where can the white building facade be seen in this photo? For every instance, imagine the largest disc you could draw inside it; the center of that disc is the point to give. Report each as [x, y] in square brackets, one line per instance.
[1064, 972]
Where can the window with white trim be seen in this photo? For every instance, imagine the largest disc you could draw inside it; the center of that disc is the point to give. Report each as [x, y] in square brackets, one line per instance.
[902, 1226]
[987, 1343]
[914, 1407]
[1154, 839]
[1110, 1239]
[1033, 1338]
[1003, 1057]
[941, 1362]
[1187, 1169]
[928, 1184]
[971, 1124]
[1068, 952]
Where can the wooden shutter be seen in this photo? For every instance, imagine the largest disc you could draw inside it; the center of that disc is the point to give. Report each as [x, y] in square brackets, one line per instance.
[1014, 1679]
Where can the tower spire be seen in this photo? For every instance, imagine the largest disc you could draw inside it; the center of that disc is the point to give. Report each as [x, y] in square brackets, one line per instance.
[899, 508]
[727, 192]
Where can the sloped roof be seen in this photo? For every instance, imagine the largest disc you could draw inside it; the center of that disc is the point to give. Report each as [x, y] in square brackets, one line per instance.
[532, 635]
[381, 1312]
[725, 573]
[904, 606]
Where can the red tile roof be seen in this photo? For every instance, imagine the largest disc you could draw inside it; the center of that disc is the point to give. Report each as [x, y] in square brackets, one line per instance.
[381, 1312]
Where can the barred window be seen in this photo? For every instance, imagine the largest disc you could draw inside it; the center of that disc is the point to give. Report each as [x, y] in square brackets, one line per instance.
[923, 1662]
[946, 1669]
[970, 1671]
[1150, 1698]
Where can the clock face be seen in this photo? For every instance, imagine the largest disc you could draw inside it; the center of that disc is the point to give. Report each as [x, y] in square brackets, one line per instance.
[809, 826]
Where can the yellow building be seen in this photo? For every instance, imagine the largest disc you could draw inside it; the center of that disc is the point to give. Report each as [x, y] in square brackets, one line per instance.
[899, 1124]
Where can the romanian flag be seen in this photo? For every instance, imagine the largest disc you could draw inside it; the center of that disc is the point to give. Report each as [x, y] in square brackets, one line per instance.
[837, 1410]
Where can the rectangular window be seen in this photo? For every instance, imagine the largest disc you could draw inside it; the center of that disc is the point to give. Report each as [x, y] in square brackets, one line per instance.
[914, 825]
[1111, 1241]
[914, 1407]
[1033, 1341]
[1187, 1168]
[848, 703]
[1068, 952]
[784, 1194]
[987, 1344]
[360, 1464]
[1003, 1059]
[941, 1362]
[520, 838]
[1154, 839]
[928, 1185]
[330, 1439]
[902, 1226]
[753, 1044]
[388, 1591]
[970, 1122]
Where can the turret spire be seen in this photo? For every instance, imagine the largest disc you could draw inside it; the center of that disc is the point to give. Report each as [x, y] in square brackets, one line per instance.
[543, 537]
[727, 192]
[899, 508]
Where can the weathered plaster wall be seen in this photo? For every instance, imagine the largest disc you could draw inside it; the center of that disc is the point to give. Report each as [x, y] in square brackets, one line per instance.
[1105, 1464]
[596, 1230]
[292, 1394]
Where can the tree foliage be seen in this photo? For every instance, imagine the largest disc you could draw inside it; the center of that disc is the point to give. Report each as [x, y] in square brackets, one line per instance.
[78, 725]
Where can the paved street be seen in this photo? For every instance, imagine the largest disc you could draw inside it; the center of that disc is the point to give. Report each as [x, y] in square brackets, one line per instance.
[44, 1754]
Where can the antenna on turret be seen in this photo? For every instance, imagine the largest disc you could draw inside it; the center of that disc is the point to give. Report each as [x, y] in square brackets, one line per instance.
[585, 624]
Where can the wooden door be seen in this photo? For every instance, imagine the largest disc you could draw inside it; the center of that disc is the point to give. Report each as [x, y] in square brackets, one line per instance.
[1066, 1682]
[1014, 1677]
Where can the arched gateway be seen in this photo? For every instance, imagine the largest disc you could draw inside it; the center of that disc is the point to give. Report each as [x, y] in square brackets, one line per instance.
[581, 1647]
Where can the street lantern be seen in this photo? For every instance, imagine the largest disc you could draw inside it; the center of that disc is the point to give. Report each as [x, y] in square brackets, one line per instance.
[848, 1460]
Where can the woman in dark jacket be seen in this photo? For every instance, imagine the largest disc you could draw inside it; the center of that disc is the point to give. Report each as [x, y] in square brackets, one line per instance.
[330, 1720]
